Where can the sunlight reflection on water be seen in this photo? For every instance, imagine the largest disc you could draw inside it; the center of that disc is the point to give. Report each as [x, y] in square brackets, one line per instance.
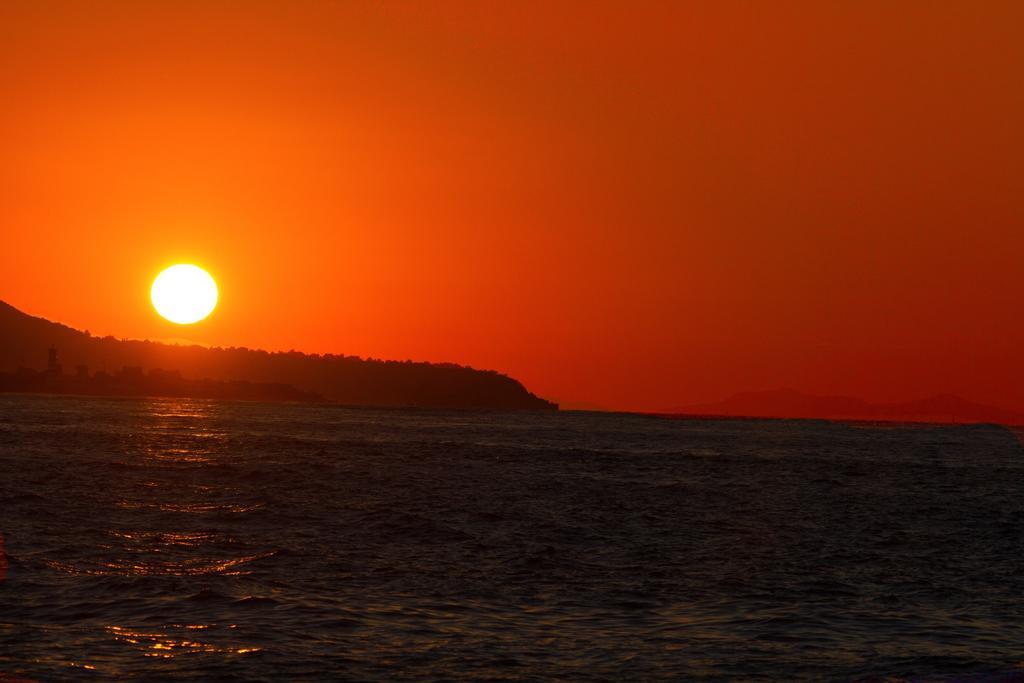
[173, 641]
[175, 539]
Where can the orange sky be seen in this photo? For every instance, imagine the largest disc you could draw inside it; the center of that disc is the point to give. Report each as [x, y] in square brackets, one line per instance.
[638, 205]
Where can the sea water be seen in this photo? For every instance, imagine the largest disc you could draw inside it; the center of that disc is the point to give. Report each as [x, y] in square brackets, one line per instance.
[192, 539]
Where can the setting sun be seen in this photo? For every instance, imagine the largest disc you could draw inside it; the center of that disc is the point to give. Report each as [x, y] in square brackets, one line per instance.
[184, 294]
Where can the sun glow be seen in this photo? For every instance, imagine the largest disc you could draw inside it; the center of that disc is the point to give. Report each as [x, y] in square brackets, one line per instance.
[184, 294]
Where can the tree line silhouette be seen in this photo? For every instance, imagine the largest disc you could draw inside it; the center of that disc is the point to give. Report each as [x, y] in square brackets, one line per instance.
[350, 380]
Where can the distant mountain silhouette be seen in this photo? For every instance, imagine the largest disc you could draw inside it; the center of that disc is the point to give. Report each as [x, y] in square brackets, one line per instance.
[24, 341]
[788, 403]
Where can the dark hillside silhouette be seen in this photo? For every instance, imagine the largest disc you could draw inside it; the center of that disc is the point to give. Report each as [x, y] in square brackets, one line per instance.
[135, 381]
[350, 380]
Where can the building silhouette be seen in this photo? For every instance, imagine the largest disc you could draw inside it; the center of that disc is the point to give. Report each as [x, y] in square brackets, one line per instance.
[52, 366]
[133, 381]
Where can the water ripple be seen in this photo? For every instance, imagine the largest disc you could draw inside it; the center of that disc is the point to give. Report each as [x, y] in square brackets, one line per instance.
[176, 539]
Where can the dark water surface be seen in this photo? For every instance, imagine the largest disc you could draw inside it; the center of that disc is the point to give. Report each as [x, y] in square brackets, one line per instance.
[186, 539]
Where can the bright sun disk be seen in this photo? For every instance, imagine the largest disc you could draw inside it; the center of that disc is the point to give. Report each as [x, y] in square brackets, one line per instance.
[184, 294]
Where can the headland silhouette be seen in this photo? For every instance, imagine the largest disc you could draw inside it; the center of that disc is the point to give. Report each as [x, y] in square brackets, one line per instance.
[109, 366]
[789, 403]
